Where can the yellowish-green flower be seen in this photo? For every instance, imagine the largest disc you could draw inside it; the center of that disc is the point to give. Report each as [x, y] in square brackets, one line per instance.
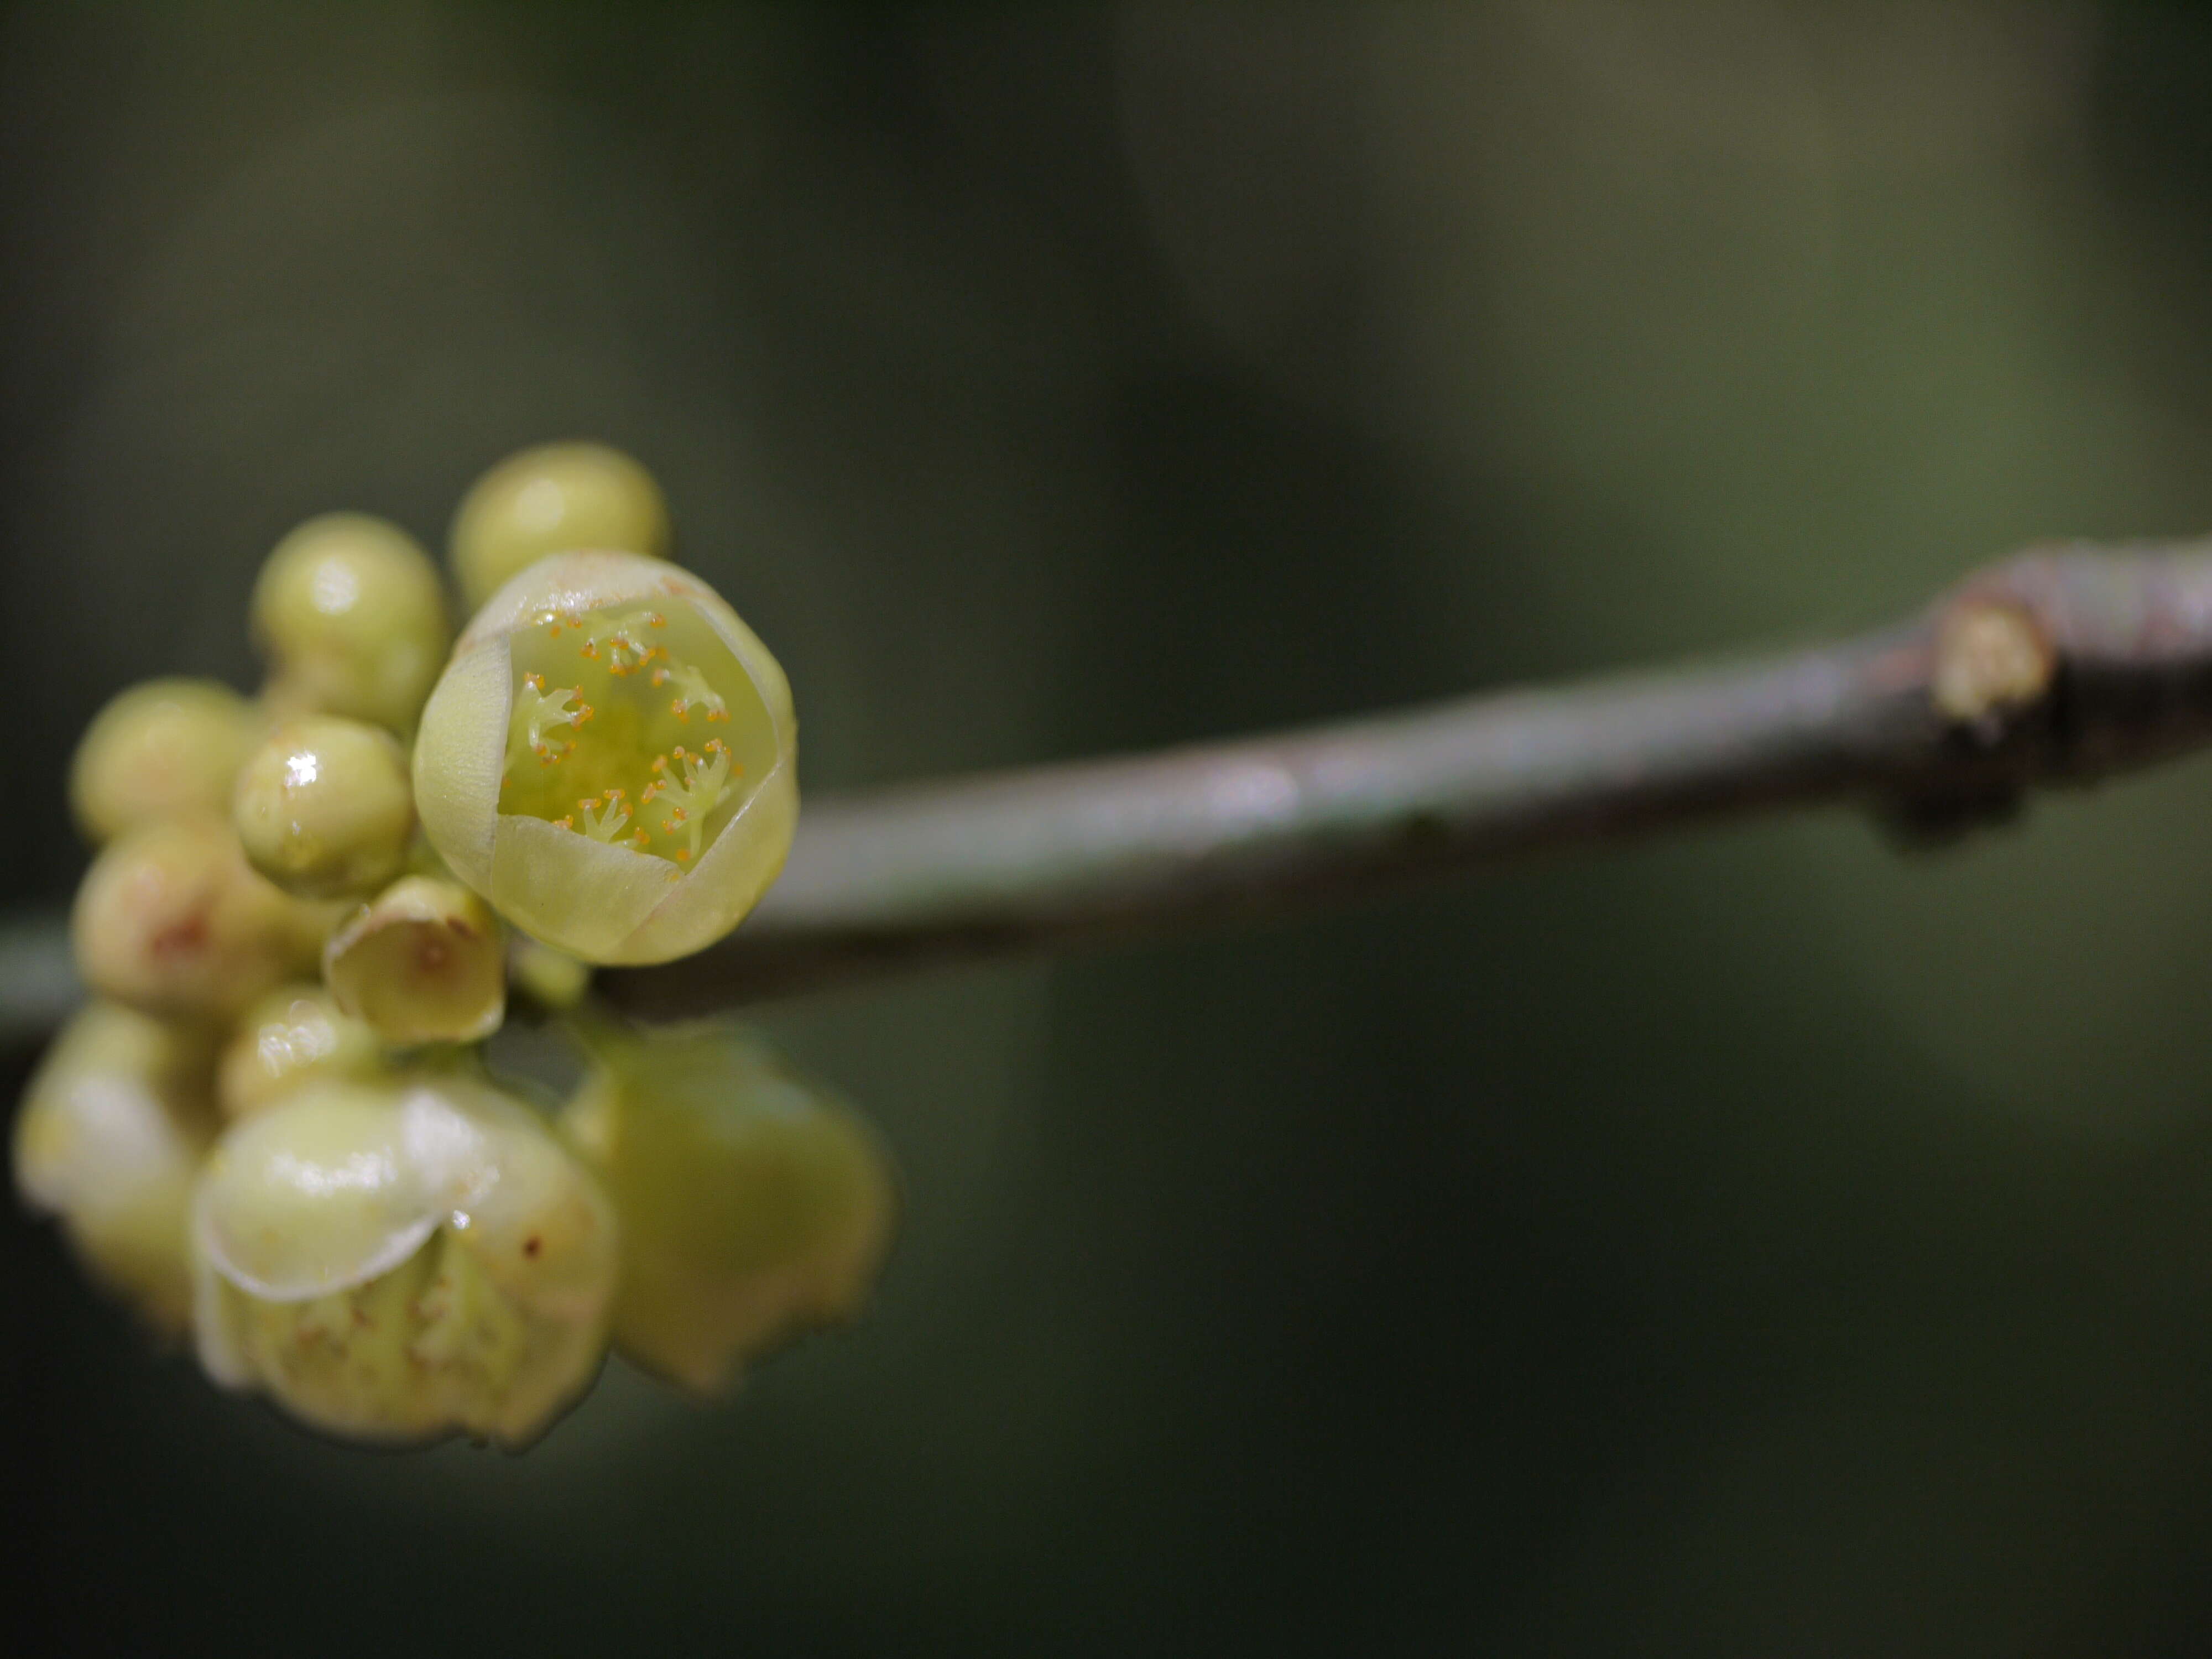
[166, 748]
[608, 759]
[350, 613]
[171, 920]
[424, 962]
[295, 1035]
[395, 1264]
[323, 807]
[109, 1139]
[554, 498]
[755, 1206]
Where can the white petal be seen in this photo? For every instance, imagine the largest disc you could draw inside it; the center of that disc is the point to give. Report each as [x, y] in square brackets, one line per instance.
[318, 1194]
[461, 751]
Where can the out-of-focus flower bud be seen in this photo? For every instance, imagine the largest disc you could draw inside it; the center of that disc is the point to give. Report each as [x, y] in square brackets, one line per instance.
[109, 1139]
[424, 962]
[295, 1035]
[553, 978]
[608, 759]
[164, 749]
[350, 611]
[324, 808]
[171, 920]
[754, 1205]
[400, 1263]
[554, 498]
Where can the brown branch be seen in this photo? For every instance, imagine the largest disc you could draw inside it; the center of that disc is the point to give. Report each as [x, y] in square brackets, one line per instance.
[2058, 667]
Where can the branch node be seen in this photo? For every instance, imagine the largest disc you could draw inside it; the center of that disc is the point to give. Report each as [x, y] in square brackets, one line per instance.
[1993, 661]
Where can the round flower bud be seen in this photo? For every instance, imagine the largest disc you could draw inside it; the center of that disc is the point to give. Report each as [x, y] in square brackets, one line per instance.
[754, 1207]
[295, 1035]
[423, 962]
[109, 1139]
[171, 920]
[161, 750]
[608, 759]
[551, 978]
[398, 1263]
[324, 808]
[349, 610]
[554, 498]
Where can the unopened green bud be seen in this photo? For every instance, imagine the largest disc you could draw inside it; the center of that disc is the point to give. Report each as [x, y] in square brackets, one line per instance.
[401, 1263]
[755, 1206]
[295, 1035]
[164, 749]
[109, 1141]
[350, 611]
[608, 759]
[323, 807]
[171, 919]
[554, 498]
[553, 978]
[423, 962]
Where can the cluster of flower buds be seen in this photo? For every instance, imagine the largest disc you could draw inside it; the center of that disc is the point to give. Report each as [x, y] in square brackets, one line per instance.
[271, 1129]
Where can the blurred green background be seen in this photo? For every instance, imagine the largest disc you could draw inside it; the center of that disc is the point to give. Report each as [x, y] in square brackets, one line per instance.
[1762, 1243]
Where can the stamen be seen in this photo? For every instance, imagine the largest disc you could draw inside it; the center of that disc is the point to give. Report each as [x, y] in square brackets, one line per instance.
[536, 713]
[696, 694]
[604, 822]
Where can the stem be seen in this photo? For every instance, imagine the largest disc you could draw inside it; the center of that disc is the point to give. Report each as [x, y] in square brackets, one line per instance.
[2054, 668]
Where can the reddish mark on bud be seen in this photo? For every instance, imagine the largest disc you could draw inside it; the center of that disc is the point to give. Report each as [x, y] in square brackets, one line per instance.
[186, 936]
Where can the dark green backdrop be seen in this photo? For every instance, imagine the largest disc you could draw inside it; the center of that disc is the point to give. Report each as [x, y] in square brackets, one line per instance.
[1761, 1243]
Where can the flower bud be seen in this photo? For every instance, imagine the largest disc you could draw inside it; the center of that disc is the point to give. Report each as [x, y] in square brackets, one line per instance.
[554, 498]
[348, 610]
[295, 1035]
[394, 1264]
[109, 1139]
[608, 759]
[172, 920]
[324, 808]
[552, 978]
[755, 1206]
[164, 749]
[424, 962]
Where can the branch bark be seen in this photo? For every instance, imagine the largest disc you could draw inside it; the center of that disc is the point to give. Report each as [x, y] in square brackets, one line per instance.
[2057, 668]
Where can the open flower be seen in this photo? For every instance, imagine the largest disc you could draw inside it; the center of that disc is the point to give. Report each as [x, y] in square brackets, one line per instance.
[755, 1206]
[397, 1263]
[109, 1139]
[608, 759]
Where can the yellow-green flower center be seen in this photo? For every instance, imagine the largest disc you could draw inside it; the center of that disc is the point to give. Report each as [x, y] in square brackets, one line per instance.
[635, 724]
